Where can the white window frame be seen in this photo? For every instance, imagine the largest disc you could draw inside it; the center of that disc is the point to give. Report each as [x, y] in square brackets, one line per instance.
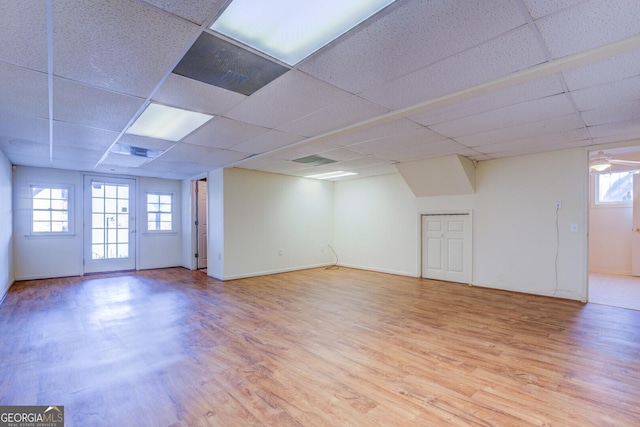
[69, 210]
[596, 192]
[172, 212]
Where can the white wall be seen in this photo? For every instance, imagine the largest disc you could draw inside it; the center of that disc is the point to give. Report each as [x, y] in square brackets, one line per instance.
[263, 214]
[188, 233]
[6, 231]
[58, 256]
[39, 257]
[157, 250]
[514, 223]
[215, 223]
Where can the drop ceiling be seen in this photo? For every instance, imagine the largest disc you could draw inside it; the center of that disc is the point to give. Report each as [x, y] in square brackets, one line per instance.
[483, 79]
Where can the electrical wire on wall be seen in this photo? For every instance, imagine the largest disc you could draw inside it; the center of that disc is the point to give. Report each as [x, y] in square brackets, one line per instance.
[335, 265]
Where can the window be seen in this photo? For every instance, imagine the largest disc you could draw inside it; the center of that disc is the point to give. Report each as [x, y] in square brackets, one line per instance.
[159, 212]
[614, 188]
[49, 209]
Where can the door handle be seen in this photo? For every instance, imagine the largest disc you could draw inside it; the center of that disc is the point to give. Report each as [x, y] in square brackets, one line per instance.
[637, 230]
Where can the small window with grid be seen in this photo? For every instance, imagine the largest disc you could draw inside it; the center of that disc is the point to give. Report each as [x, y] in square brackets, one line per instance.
[159, 212]
[50, 210]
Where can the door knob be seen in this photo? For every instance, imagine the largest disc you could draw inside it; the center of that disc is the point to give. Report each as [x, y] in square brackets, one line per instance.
[636, 229]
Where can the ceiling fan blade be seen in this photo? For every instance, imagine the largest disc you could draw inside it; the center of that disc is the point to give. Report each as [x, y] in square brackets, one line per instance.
[624, 162]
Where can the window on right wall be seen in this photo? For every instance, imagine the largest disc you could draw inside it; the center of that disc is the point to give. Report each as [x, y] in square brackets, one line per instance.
[614, 188]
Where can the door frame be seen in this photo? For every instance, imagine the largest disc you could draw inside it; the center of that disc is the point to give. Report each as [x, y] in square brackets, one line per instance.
[457, 212]
[87, 207]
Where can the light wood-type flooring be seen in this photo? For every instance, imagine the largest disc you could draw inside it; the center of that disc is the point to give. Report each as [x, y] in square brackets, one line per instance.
[342, 347]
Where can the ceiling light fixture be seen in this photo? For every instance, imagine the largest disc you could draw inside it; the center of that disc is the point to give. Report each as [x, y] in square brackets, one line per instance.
[291, 30]
[331, 175]
[600, 167]
[168, 123]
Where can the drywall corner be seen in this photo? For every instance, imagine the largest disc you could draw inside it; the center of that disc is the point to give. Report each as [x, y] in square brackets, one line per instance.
[442, 176]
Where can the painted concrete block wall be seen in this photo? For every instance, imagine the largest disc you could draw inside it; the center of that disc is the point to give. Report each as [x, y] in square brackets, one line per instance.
[6, 229]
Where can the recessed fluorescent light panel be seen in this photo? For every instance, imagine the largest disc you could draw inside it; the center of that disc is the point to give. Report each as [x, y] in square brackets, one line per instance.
[291, 30]
[331, 175]
[169, 123]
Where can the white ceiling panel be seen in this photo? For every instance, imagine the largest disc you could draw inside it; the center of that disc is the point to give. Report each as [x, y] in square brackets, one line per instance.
[589, 25]
[24, 30]
[288, 98]
[89, 106]
[24, 91]
[341, 154]
[271, 140]
[82, 155]
[398, 140]
[19, 126]
[605, 71]
[396, 127]
[145, 142]
[540, 8]
[303, 150]
[196, 11]
[512, 52]
[221, 132]
[416, 151]
[70, 135]
[121, 45]
[182, 92]
[560, 139]
[337, 116]
[615, 114]
[272, 164]
[538, 88]
[512, 115]
[408, 37]
[629, 129]
[190, 153]
[174, 169]
[607, 95]
[544, 127]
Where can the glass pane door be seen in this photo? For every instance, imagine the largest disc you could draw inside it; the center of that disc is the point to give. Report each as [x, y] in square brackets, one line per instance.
[109, 224]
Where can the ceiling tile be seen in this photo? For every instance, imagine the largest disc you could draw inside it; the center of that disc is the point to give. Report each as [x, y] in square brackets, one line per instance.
[540, 8]
[512, 52]
[120, 45]
[544, 127]
[145, 142]
[196, 11]
[624, 130]
[512, 115]
[410, 36]
[607, 95]
[397, 141]
[89, 106]
[415, 151]
[190, 153]
[348, 112]
[221, 132]
[24, 91]
[272, 164]
[70, 135]
[537, 142]
[28, 128]
[189, 94]
[617, 113]
[603, 71]
[396, 127]
[538, 88]
[290, 97]
[24, 30]
[303, 150]
[270, 140]
[589, 25]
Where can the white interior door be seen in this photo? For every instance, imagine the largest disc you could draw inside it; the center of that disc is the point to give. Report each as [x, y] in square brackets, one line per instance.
[446, 247]
[635, 238]
[201, 225]
[109, 242]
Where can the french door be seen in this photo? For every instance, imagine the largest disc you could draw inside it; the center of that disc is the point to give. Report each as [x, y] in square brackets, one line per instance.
[109, 231]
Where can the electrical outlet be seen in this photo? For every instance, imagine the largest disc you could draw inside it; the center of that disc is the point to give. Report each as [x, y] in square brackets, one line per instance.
[558, 205]
[280, 252]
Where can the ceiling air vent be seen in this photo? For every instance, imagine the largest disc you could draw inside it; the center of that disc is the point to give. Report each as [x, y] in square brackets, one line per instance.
[314, 160]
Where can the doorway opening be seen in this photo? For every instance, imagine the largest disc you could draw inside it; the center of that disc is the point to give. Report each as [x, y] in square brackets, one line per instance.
[614, 228]
[200, 223]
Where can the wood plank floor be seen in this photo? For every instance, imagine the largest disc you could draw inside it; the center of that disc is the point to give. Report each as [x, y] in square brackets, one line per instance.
[343, 347]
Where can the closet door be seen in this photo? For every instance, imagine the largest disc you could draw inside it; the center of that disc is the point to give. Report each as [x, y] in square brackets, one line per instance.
[446, 247]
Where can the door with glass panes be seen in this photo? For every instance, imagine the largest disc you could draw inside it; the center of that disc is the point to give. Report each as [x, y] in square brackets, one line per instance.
[110, 243]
